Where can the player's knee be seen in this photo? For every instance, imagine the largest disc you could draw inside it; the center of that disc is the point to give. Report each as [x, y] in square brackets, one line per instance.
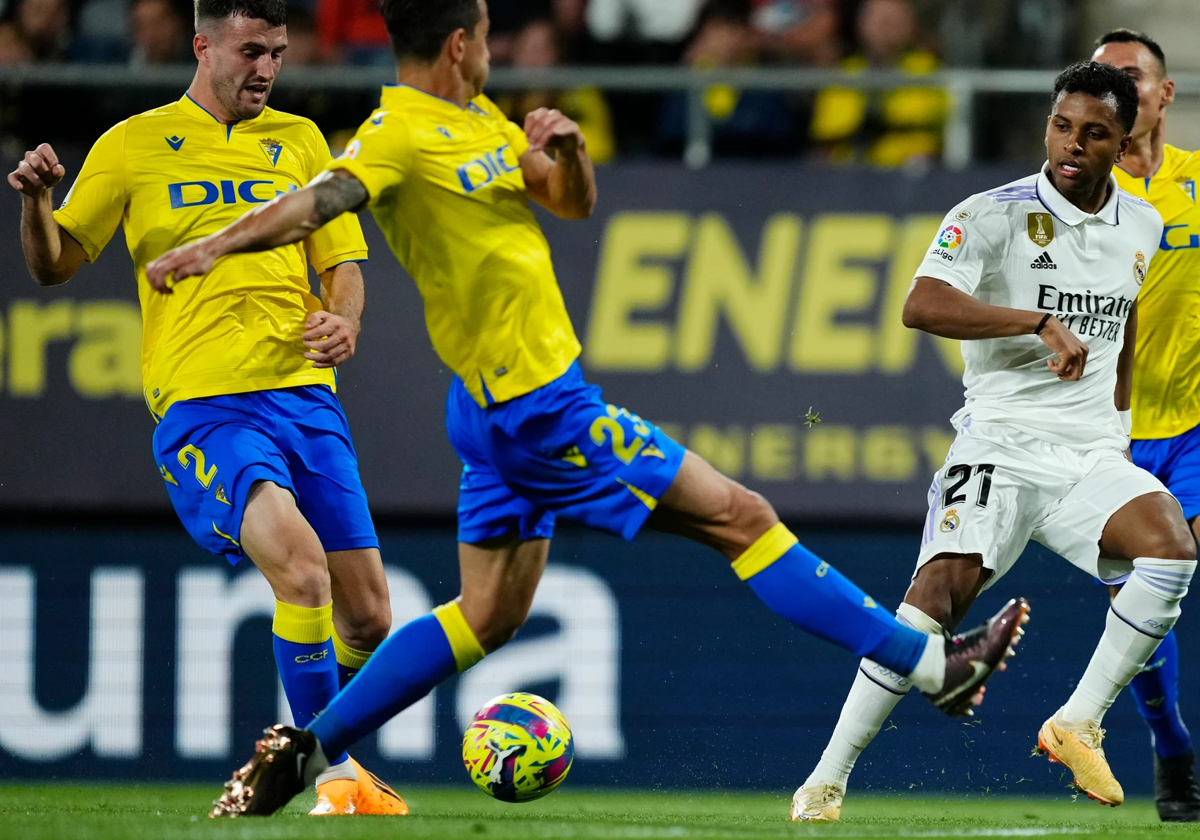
[494, 624]
[367, 630]
[498, 631]
[299, 579]
[1169, 544]
[749, 516]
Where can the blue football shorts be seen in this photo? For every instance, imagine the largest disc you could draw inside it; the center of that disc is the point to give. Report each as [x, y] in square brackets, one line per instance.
[1176, 463]
[211, 451]
[559, 450]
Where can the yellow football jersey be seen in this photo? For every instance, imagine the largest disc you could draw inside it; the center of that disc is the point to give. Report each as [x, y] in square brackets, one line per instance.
[447, 190]
[1166, 380]
[176, 174]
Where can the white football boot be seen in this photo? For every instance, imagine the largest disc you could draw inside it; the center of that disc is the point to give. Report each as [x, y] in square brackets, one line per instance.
[819, 803]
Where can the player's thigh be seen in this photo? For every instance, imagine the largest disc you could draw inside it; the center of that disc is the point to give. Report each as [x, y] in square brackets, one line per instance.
[1151, 525]
[284, 547]
[982, 504]
[707, 506]
[1076, 526]
[499, 580]
[315, 438]
[362, 609]
[210, 454]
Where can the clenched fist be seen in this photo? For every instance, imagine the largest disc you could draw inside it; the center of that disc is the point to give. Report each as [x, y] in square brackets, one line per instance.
[549, 128]
[37, 173]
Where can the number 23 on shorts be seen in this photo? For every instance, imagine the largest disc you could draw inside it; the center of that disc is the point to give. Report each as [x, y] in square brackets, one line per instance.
[609, 429]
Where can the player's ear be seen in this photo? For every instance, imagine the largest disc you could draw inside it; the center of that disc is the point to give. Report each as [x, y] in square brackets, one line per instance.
[200, 46]
[1123, 149]
[456, 45]
[1168, 92]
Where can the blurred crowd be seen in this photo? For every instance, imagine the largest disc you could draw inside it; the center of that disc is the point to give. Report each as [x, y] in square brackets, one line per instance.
[842, 125]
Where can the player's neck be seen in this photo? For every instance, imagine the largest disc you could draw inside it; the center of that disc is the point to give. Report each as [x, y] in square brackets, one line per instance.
[435, 79]
[201, 93]
[1089, 201]
[1146, 153]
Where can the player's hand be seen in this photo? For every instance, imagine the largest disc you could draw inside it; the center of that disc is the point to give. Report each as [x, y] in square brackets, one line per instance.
[37, 173]
[549, 128]
[330, 339]
[1070, 354]
[192, 260]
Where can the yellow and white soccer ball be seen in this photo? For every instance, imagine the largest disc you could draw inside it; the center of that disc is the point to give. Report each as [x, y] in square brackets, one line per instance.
[518, 748]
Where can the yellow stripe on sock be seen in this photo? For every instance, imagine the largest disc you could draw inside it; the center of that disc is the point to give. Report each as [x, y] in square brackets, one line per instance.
[467, 650]
[303, 625]
[347, 655]
[768, 548]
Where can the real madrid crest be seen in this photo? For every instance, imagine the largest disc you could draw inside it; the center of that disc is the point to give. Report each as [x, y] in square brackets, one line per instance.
[1041, 229]
[950, 521]
[1139, 267]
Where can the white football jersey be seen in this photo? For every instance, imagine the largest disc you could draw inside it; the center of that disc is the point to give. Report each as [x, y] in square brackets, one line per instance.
[1025, 246]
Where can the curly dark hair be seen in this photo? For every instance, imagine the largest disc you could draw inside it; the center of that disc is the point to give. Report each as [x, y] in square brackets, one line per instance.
[1103, 82]
[1132, 36]
[274, 12]
[419, 28]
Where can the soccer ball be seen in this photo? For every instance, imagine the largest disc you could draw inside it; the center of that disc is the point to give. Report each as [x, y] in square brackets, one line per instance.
[518, 748]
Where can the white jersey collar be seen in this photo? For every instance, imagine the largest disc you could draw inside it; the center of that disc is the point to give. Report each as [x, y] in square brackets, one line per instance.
[1068, 212]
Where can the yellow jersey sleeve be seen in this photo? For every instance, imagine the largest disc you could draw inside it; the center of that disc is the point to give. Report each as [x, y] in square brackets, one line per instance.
[342, 239]
[515, 134]
[380, 155]
[95, 204]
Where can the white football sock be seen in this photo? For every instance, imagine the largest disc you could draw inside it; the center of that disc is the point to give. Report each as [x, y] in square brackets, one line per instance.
[1143, 612]
[342, 770]
[875, 692]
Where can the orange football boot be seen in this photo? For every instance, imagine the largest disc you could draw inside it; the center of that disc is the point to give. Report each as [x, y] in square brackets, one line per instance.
[368, 795]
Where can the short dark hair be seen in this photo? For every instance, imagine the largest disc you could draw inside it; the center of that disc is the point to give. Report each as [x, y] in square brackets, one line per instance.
[419, 28]
[1102, 81]
[1132, 36]
[274, 12]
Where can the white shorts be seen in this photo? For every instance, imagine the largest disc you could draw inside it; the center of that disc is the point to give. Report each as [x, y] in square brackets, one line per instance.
[1001, 488]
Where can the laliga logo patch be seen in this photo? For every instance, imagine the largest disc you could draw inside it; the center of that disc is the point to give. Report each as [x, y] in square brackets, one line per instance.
[1139, 267]
[950, 237]
[352, 149]
[950, 521]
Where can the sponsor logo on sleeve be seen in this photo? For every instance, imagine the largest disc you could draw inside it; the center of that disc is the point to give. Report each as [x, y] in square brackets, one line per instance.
[948, 241]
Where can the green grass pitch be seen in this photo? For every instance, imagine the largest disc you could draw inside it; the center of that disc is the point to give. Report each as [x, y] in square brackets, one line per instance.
[171, 812]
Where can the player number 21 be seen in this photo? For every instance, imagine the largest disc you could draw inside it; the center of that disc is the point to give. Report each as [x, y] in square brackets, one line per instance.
[962, 472]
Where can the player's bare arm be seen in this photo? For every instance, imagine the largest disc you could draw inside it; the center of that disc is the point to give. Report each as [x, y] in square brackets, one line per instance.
[286, 220]
[331, 335]
[936, 307]
[564, 184]
[51, 254]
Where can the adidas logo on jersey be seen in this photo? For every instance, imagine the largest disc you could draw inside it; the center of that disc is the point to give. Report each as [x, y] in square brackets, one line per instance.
[1043, 261]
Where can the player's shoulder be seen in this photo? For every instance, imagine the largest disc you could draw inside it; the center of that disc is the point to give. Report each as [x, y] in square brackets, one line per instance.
[1180, 162]
[485, 107]
[1137, 206]
[993, 208]
[300, 128]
